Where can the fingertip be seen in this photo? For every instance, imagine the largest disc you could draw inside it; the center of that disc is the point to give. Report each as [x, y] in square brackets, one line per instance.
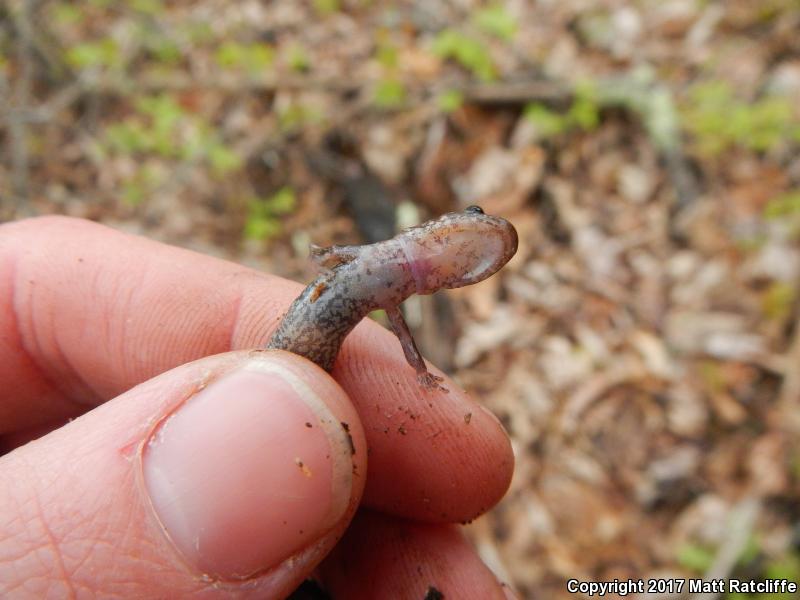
[202, 477]
[402, 559]
[434, 456]
[266, 431]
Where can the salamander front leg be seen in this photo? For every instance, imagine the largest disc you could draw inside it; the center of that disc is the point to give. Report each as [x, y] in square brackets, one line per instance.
[427, 379]
[330, 257]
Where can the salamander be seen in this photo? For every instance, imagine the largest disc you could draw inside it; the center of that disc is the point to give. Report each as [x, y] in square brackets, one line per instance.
[457, 249]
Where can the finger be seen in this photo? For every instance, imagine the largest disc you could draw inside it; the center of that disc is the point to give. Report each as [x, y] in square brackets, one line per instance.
[382, 557]
[88, 312]
[433, 456]
[232, 474]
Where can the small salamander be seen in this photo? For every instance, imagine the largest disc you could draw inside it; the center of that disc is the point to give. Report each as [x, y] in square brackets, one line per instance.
[455, 250]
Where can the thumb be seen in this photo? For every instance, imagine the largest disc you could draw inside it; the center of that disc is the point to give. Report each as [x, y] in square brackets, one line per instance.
[232, 475]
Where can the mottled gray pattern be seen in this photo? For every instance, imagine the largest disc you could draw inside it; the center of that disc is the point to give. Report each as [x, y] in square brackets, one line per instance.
[454, 250]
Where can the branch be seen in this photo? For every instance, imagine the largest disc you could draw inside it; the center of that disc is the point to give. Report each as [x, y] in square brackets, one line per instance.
[21, 95]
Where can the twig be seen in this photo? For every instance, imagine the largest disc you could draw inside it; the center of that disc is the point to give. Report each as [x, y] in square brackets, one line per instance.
[510, 92]
[515, 92]
[740, 527]
[229, 82]
[593, 389]
[17, 124]
[789, 396]
[741, 521]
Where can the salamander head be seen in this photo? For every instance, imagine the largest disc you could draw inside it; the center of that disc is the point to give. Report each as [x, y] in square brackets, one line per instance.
[458, 249]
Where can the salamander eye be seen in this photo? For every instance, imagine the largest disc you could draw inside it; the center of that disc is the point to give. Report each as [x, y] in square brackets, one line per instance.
[475, 209]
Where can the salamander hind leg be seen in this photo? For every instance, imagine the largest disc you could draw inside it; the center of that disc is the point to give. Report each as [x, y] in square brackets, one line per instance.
[430, 381]
[426, 379]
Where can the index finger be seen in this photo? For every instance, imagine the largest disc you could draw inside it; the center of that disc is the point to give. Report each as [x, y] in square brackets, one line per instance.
[87, 312]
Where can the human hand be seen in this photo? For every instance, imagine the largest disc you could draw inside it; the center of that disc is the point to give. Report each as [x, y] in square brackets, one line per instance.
[194, 466]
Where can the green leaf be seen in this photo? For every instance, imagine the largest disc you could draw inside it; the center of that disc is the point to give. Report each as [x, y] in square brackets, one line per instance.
[163, 109]
[750, 552]
[140, 185]
[127, 137]
[547, 122]
[786, 567]
[164, 50]
[496, 21]
[786, 205]
[450, 101]
[147, 7]
[379, 315]
[262, 221]
[584, 111]
[326, 7]
[67, 14]
[389, 93]
[298, 58]
[695, 558]
[261, 227]
[223, 160]
[387, 56]
[250, 57]
[102, 53]
[282, 202]
[133, 192]
[199, 32]
[777, 301]
[465, 50]
[295, 115]
[718, 120]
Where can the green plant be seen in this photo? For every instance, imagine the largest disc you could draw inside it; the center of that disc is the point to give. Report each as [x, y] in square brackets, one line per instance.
[698, 559]
[326, 7]
[162, 127]
[778, 300]
[785, 567]
[252, 58]
[496, 21]
[712, 375]
[158, 44]
[719, 121]
[205, 143]
[141, 184]
[198, 32]
[298, 58]
[147, 7]
[583, 114]
[548, 123]
[783, 206]
[103, 53]
[263, 218]
[65, 13]
[695, 558]
[469, 52]
[295, 115]
[387, 55]
[389, 93]
[450, 101]
[379, 316]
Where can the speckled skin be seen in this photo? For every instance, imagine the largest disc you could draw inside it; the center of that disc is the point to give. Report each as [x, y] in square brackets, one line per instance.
[455, 250]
